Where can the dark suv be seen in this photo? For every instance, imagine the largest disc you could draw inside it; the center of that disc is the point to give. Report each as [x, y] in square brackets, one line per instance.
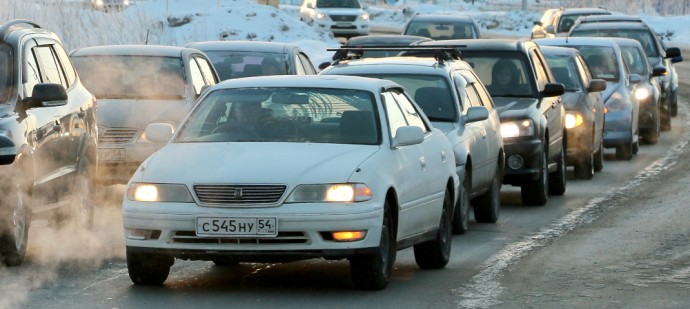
[528, 101]
[47, 136]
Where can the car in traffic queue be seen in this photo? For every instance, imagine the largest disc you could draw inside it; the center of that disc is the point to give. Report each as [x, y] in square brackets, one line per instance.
[532, 115]
[657, 53]
[47, 137]
[558, 22]
[456, 102]
[285, 168]
[584, 109]
[383, 40]
[137, 85]
[442, 26]
[344, 18]
[606, 61]
[234, 59]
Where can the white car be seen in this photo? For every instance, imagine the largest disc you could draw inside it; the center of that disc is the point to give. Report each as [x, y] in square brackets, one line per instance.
[284, 168]
[346, 18]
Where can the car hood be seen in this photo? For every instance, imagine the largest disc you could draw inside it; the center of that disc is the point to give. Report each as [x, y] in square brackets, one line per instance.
[445, 127]
[139, 113]
[571, 99]
[611, 87]
[287, 163]
[340, 11]
[514, 107]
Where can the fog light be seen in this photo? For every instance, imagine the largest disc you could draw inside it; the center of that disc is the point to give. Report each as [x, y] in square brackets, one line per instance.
[139, 234]
[515, 161]
[349, 235]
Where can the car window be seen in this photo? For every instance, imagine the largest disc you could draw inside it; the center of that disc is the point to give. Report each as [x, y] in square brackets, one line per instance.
[394, 113]
[6, 72]
[564, 70]
[51, 72]
[540, 68]
[439, 30]
[484, 96]
[636, 60]
[313, 115]
[473, 96]
[601, 61]
[308, 68]
[236, 64]
[31, 72]
[198, 81]
[337, 4]
[643, 36]
[205, 66]
[585, 74]
[505, 74]
[411, 113]
[66, 65]
[299, 67]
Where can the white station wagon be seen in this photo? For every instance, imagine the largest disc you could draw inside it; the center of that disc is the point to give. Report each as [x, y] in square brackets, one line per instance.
[285, 168]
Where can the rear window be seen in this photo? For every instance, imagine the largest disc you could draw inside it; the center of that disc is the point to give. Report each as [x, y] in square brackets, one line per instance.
[438, 30]
[232, 64]
[641, 35]
[564, 70]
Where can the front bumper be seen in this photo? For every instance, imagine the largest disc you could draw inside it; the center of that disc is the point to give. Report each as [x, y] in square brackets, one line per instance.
[529, 151]
[579, 144]
[303, 231]
[617, 128]
[345, 28]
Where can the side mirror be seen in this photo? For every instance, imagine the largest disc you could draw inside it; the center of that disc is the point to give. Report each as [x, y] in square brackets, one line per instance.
[159, 132]
[537, 23]
[476, 113]
[324, 65]
[48, 94]
[310, 6]
[550, 29]
[677, 59]
[659, 71]
[596, 85]
[672, 52]
[553, 90]
[8, 150]
[408, 135]
[634, 79]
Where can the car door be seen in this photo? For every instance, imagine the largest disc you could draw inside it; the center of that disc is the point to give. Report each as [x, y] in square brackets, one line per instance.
[551, 107]
[492, 138]
[595, 101]
[477, 142]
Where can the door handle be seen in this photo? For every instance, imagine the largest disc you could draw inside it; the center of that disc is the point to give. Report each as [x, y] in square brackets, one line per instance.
[81, 114]
[422, 162]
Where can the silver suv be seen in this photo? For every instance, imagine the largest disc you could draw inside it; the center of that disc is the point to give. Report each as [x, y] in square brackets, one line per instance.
[346, 18]
[455, 100]
[138, 85]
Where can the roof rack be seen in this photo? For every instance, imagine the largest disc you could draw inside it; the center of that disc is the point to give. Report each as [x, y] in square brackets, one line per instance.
[608, 19]
[440, 53]
[4, 28]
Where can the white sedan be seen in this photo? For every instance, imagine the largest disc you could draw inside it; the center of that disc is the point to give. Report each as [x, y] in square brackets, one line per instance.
[284, 168]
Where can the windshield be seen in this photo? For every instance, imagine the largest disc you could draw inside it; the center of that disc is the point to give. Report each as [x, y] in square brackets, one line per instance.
[6, 72]
[564, 70]
[636, 60]
[567, 21]
[438, 30]
[302, 115]
[132, 77]
[602, 61]
[505, 74]
[230, 64]
[643, 36]
[430, 92]
[337, 4]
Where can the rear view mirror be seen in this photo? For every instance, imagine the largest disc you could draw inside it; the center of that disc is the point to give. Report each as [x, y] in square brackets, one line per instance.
[537, 23]
[476, 113]
[672, 52]
[159, 132]
[553, 90]
[324, 65]
[659, 71]
[8, 150]
[677, 59]
[634, 79]
[310, 6]
[408, 135]
[442, 27]
[289, 98]
[550, 29]
[596, 85]
[48, 94]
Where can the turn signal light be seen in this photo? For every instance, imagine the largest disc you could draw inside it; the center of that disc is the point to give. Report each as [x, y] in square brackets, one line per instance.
[349, 235]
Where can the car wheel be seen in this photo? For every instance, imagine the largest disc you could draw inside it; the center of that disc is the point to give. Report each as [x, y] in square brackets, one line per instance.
[599, 158]
[585, 168]
[536, 192]
[13, 240]
[557, 181]
[435, 254]
[82, 196]
[652, 135]
[373, 271]
[665, 119]
[636, 145]
[461, 215]
[148, 269]
[625, 151]
[488, 205]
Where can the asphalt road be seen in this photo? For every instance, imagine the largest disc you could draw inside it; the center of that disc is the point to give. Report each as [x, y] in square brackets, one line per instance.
[564, 254]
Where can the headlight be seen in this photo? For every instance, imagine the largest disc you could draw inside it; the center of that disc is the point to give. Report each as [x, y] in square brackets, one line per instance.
[330, 193]
[320, 15]
[126, 2]
[364, 16]
[573, 119]
[159, 192]
[517, 128]
[614, 103]
[642, 93]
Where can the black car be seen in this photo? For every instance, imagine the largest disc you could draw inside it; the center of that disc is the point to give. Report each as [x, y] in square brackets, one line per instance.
[234, 59]
[384, 40]
[527, 98]
[658, 54]
[584, 109]
[47, 136]
[442, 27]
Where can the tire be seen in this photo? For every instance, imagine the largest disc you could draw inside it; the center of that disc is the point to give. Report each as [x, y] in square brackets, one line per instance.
[536, 193]
[625, 151]
[461, 215]
[652, 136]
[636, 146]
[585, 168]
[435, 254]
[557, 181]
[224, 262]
[599, 158]
[148, 269]
[488, 206]
[13, 240]
[665, 120]
[82, 195]
[373, 271]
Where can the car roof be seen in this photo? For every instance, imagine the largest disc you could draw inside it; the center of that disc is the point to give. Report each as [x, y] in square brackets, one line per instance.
[400, 64]
[609, 18]
[310, 81]
[131, 50]
[558, 50]
[443, 17]
[482, 44]
[259, 46]
[385, 39]
[626, 42]
[576, 41]
[610, 25]
[575, 11]
[13, 29]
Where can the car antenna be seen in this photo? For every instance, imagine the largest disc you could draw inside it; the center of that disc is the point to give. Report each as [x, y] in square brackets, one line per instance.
[147, 37]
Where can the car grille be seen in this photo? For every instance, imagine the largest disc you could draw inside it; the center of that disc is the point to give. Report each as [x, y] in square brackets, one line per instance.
[189, 237]
[117, 136]
[343, 17]
[239, 195]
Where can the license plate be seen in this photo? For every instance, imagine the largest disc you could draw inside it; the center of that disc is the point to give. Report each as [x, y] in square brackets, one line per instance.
[111, 154]
[343, 24]
[236, 226]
